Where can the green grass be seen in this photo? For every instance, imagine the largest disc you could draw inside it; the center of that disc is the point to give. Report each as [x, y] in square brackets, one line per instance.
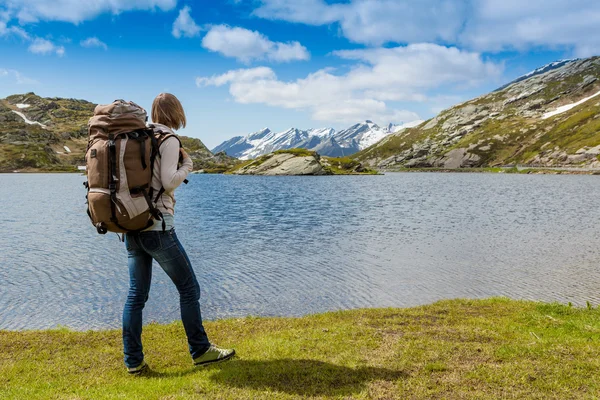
[346, 166]
[461, 349]
[297, 152]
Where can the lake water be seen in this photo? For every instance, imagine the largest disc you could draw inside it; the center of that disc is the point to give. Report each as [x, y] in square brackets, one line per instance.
[291, 246]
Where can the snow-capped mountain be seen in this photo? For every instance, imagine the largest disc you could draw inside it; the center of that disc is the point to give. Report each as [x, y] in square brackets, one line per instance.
[325, 141]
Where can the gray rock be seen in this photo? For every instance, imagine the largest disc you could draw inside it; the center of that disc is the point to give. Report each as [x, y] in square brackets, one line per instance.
[285, 164]
[431, 124]
[588, 80]
[575, 159]
[594, 151]
[460, 158]
[418, 163]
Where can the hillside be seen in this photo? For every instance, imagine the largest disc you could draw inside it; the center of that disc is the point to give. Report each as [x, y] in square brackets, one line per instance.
[35, 139]
[548, 118]
[50, 134]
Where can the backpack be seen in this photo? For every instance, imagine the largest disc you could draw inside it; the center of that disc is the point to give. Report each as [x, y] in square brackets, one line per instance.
[119, 163]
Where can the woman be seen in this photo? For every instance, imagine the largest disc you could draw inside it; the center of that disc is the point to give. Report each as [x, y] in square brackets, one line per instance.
[164, 247]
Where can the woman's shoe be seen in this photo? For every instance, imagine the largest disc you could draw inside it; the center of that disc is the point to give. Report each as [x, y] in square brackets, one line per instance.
[214, 354]
[139, 369]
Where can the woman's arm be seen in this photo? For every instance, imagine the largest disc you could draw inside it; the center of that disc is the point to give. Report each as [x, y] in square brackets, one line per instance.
[170, 176]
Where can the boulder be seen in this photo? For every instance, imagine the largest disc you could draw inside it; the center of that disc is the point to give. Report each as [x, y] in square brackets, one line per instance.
[284, 164]
[594, 151]
[459, 158]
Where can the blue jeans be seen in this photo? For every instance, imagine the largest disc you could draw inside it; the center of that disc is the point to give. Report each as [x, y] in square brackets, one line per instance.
[165, 248]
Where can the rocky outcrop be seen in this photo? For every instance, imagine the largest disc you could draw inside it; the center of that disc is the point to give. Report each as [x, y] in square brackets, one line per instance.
[301, 162]
[284, 164]
[548, 118]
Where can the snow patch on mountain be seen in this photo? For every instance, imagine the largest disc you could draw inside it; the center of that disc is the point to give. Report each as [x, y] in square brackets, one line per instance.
[397, 128]
[568, 107]
[28, 121]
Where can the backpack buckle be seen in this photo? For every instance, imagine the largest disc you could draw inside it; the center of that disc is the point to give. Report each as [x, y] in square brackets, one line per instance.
[112, 187]
[101, 228]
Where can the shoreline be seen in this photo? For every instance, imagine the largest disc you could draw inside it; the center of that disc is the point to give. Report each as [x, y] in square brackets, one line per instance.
[502, 170]
[64, 328]
[482, 170]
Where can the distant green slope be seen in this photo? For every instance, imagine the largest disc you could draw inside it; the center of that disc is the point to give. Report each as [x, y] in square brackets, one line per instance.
[507, 127]
[26, 146]
[56, 123]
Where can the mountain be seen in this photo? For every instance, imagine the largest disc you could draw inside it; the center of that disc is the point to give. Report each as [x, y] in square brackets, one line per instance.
[548, 118]
[50, 134]
[38, 133]
[325, 141]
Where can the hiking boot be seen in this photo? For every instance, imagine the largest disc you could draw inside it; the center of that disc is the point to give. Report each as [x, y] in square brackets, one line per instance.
[214, 354]
[139, 369]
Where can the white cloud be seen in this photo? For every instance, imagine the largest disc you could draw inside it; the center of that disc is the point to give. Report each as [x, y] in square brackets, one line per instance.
[508, 24]
[77, 11]
[239, 75]
[382, 75]
[17, 76]
[421, 65]
[6, 30]
[375, 22]
[483, 25]
[43, 46]
[37, 45]
[94, 42]
[185, 25]
[246, 45]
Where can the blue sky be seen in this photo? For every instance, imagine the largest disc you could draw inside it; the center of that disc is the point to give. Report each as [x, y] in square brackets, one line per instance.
[241, 65]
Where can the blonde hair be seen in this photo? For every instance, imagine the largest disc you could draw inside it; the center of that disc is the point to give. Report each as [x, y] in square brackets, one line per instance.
[168, 111]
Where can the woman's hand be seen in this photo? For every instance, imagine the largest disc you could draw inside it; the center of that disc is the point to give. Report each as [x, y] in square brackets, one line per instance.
[183, 155]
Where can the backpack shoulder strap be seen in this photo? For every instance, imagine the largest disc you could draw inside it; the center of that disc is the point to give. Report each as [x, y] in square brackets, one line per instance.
[161, 136]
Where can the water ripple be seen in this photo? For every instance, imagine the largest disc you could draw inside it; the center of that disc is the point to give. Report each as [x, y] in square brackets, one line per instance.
[294, 245]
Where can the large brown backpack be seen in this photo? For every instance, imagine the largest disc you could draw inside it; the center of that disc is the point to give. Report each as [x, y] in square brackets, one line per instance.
[119, 162]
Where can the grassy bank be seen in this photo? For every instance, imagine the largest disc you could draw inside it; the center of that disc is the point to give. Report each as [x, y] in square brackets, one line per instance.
[493, 348]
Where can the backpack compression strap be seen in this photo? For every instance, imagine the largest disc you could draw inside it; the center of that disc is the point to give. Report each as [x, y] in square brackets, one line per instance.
[113, 183]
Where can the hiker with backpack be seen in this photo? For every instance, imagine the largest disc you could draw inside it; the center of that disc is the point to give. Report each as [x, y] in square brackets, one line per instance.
[133, 171]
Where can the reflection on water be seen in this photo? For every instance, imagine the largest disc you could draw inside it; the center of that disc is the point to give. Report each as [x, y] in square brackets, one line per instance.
[299, 245]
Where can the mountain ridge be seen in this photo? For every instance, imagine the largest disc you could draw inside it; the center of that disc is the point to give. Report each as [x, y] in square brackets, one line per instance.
[325, 141]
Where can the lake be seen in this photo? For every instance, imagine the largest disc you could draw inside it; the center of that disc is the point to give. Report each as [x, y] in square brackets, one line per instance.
[290, 246]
